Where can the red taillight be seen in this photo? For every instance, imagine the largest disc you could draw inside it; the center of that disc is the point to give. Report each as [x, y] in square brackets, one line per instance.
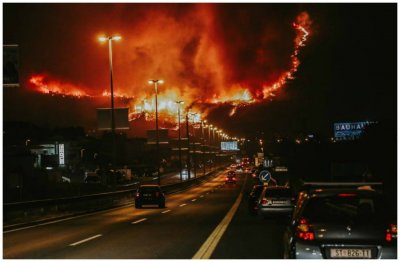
[234, 179]
[157, 194]
[304, 230]
[391, 232]
[137, 194]
[346, 195]
[264, 201]
[388, 237]
[226, 179]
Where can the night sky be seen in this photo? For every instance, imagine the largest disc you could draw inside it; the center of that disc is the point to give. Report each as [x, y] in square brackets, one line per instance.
[347, 69]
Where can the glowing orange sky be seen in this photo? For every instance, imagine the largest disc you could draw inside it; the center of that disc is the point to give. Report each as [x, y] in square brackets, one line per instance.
[200, 59]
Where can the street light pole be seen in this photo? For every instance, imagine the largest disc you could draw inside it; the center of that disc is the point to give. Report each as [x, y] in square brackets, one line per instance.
[179, 137]
[203, 140]
[110, 39]
[156, 82]
[188, 140]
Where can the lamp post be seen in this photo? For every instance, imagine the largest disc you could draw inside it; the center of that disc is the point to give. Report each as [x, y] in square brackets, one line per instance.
[156, 82]
[188, 140]
[203, 140]
[110, 39]
[194, 146]
[179, 137]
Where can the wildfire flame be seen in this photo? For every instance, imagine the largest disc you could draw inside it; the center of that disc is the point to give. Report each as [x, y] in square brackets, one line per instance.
[237, 95]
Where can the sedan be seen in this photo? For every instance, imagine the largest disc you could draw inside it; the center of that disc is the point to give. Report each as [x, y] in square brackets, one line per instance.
[275, 201]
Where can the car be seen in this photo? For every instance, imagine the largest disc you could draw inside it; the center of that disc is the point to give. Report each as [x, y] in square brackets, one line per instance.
[341, 222]
[149, 195]
[253, 197]
[230, 177]
[239, 169]
[275, 201]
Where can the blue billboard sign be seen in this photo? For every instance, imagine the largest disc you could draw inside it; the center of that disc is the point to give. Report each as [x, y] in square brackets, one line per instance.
[229, 146]
[349, 130]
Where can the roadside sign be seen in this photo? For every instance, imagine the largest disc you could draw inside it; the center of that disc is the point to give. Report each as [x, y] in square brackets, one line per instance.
[264, 176]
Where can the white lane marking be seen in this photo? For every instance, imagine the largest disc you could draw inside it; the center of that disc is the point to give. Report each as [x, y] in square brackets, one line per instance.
[65, 219]
[201, 196]
[194, 200]
[183, 205]
[166, 211]
[140, 220]
[85, 240]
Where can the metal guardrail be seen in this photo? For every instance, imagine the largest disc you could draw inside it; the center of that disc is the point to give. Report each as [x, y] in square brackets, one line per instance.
[30, 212]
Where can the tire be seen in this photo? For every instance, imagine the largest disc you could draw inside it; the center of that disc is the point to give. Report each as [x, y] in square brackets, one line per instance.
[161, 205]
[137, 205]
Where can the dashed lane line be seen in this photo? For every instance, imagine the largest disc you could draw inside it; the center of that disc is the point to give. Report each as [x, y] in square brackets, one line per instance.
[85, 240]
[182, 205]
[140, 220]
[166, 211]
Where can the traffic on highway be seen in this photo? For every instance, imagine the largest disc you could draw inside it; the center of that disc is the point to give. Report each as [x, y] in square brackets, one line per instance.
[191, 130]
[210, 220]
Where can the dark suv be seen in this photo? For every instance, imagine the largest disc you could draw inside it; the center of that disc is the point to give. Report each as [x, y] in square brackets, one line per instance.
[341, 222]
[149, 195]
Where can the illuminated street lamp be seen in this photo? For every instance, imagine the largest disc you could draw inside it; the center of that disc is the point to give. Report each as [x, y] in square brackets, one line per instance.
[156, 82]
[110, 39]
[179, 137]
[210, 127]
[204, 144]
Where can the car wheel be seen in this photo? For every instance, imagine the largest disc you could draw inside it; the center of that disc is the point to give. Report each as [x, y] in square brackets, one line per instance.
[137, 205]
[161, 205]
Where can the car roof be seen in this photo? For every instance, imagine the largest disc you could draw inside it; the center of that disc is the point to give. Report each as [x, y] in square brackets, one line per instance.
[149, 186]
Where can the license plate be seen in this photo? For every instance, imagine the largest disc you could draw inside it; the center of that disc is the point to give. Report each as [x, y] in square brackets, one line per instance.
[147, 195]
[350, 253]
[280, 202]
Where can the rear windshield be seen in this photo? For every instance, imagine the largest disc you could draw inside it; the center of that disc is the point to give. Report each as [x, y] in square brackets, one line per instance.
[344, 209]
[149, 189]
[278, 192]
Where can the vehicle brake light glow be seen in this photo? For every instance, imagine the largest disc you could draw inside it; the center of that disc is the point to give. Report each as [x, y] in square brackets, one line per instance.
[346, 195]
[391, 232]
[264, 201]
[304, 230]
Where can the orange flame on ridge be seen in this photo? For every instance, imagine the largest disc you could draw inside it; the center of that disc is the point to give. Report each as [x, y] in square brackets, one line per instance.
[238, 95]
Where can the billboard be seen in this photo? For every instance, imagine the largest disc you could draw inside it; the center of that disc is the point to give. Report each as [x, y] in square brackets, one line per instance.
[349, 130]
[229, 146]
[10, 66]
[104, 118]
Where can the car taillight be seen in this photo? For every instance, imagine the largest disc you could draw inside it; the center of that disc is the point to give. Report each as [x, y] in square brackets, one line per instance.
[264, 201]
[234, 179]
[137, 194]
[391, 232]
[157, 194]
[304, 230]
[346, 195]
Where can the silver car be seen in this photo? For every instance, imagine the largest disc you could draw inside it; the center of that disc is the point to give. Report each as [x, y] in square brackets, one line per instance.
[275, 201]
[341, 223]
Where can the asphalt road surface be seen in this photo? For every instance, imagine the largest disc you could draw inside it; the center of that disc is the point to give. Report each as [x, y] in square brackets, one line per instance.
[209, 221]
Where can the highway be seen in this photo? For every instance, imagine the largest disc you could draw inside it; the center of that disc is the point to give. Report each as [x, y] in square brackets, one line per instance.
[208, 221]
